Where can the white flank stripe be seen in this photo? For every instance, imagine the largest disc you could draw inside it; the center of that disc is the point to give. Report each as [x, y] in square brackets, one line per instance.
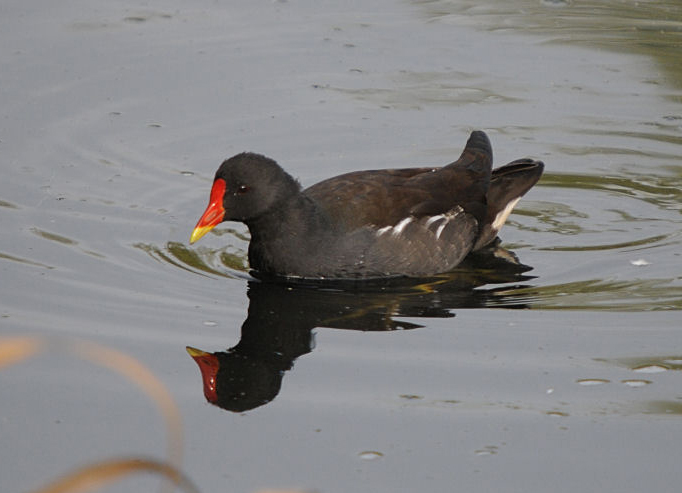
[433, 219]
[383, 230]
[441, 228]
[398, 228]
[502, 216]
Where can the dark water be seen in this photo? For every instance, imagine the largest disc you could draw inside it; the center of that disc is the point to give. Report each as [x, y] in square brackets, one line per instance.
[550, 364]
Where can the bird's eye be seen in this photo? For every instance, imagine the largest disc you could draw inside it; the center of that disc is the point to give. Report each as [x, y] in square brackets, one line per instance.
[243, 189]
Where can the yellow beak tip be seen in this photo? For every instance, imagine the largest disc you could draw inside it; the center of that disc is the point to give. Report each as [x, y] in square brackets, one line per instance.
[194, 352]
[197, 234]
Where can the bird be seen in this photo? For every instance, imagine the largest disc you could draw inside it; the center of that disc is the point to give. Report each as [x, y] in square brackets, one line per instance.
[370, 224]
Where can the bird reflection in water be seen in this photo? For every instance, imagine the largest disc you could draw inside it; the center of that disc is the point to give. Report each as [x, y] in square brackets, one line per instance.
[282, 316]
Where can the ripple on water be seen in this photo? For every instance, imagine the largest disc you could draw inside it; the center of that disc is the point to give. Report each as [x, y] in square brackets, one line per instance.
[8, 205]
[408, 90]
[25, 261]
[627, 28]
[650, 369]
[53, 237]
[611, 224]
[647, 364]
[487, 450]
[222, 262]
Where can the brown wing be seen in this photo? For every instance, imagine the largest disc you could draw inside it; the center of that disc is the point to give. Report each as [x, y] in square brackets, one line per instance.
[385, 197]
[362, 198]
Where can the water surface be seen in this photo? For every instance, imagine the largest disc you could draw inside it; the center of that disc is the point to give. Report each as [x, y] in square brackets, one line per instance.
[555, 362]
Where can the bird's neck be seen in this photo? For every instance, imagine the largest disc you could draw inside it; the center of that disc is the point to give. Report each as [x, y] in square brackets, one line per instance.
[294, 225]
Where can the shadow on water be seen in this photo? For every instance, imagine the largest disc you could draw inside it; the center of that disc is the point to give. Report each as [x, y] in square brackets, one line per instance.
[282, 316]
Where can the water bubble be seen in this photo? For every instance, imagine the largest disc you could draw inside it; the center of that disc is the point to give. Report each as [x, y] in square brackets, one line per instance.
[187, 173]
[636, 383]
[370, 455]
[487, 450]
[592, 381]
[650, 369]
[640, 262]
[210, 323]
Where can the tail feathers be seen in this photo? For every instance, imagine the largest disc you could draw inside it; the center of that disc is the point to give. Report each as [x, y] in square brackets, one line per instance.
[478, 140]
[507, 185]
[477, 157]
[512, 181]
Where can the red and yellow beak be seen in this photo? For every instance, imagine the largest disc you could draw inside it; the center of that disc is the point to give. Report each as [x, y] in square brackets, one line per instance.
[214, 213]
[209, 366]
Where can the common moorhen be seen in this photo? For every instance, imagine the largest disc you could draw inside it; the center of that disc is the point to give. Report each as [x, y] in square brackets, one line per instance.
[368, 224]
